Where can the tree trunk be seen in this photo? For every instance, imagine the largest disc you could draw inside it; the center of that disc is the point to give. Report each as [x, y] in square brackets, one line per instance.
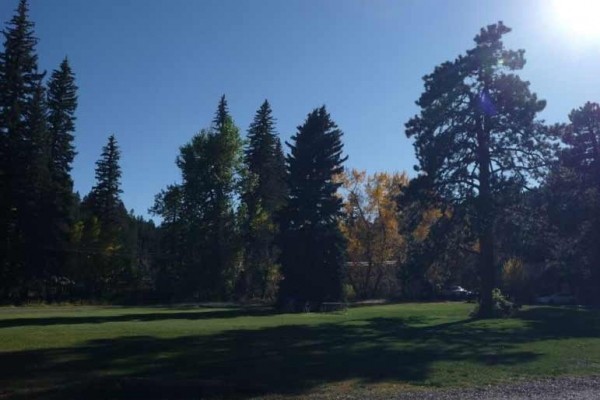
[485, 219]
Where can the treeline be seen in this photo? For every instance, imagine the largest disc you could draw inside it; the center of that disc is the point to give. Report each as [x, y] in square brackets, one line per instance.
[501, 199]
[242, 217]
[55, 246]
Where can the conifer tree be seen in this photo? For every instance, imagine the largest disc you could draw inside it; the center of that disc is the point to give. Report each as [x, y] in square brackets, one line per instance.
[312, 244]
[574, 201]
[59, 204]
[264, 196]
[20, 107]
[105, 197]
[265, 160]
[32, 192]
[477, 135]
[105, 219]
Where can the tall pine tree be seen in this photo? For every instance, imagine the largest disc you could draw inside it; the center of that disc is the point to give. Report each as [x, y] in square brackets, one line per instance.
[477, 135]
[21, 131]
[105, 197]
[264, 195]
[105, 219]
[312, 244]
[60, 203]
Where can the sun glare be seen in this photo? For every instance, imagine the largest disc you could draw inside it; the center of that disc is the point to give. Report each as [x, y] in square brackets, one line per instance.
[580, 17]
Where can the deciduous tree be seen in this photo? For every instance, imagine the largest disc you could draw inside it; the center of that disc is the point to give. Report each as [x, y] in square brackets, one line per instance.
[371, 225]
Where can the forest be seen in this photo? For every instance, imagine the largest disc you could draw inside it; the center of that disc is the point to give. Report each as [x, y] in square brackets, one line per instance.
[500, 202]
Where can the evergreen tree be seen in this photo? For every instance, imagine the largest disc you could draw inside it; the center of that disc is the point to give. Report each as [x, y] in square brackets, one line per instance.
[264, 196]
[265, 160]
[62, 103]
[582, 139]
[312, 244]
[573, 197]
[105, 221]
[32, 192]
[20, 132]
[476, 134]
[105, 197]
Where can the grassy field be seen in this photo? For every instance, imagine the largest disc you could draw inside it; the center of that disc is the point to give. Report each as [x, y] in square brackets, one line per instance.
[115, 352]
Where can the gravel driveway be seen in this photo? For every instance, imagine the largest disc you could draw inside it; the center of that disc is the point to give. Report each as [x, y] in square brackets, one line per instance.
[564, 388]
[584, 388]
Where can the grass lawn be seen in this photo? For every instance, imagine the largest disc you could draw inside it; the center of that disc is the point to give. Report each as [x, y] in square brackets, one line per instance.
[116, 352]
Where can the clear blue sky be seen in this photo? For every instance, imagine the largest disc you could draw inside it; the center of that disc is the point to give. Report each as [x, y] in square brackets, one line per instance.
[152, 71]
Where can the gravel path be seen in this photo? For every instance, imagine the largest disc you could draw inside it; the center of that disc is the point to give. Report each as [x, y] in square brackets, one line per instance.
[563, 388]
[584, 388]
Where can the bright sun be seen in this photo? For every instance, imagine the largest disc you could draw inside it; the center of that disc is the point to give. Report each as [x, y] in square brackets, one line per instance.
[580, 17]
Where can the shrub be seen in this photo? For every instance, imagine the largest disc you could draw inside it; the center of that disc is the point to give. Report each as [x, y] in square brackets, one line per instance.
[502, 307]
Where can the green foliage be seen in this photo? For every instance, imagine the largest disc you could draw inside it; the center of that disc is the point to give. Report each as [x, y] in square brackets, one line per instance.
[502, 307]
[201, 232]
[263, 195]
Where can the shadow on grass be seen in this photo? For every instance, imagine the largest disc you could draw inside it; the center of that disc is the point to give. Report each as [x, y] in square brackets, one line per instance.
[199, 314]
[278, 360]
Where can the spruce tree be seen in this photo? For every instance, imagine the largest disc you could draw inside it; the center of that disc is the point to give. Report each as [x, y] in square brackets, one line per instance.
[32, 192]
[105, 220]
[264, 196]
[265, 160]
[19, 147]
[105, 197]
[312, 244]
[62, 104]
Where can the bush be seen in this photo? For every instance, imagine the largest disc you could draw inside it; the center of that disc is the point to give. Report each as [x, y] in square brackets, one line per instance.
[502, 307]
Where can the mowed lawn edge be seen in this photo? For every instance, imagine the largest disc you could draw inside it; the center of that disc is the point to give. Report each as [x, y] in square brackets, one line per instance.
[180, 351]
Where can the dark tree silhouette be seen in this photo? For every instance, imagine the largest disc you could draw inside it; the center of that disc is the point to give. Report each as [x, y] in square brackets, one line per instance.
[201, 232]
[264, 195]
[60, 202]
[573, 200]
[312, 244]
[22, 126]
[477, 133]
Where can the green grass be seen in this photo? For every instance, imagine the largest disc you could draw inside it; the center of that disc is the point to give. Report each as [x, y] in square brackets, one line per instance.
[119, 352]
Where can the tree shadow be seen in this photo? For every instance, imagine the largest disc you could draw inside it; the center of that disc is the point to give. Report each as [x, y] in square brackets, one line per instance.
[566, 321]
[168, 314]
[275, 360]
